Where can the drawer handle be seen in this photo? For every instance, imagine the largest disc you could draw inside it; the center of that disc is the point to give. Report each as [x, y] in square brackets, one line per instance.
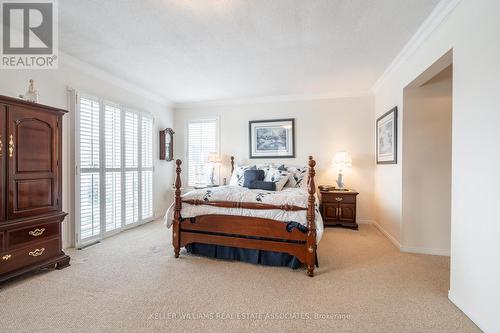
[37, 232]
[7, 257]
[11, 146]
[339, 199]
[37, 252]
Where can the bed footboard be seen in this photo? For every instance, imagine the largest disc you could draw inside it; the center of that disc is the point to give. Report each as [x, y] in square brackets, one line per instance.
[247, 232]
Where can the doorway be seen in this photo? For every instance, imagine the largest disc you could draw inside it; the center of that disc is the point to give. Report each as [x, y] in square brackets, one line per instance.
[427, 156]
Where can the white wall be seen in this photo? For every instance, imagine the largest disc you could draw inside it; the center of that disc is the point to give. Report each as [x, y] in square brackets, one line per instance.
[472, 31]
[426, 224]
[323, 127]
[52, 85]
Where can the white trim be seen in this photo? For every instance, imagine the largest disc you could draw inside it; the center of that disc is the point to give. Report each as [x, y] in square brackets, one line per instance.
[388, 235]
[474, 317]
[272, 99]
[365, 221]
[424, 250]
[66, 59]
[436, 17]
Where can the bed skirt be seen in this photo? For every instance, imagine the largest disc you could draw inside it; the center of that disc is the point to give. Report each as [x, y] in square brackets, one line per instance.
[267, 258]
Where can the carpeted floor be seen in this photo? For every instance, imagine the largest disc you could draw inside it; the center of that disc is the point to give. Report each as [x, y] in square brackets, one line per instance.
[132, 283]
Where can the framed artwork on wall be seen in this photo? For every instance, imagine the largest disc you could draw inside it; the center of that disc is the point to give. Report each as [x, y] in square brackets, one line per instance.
[387, 137]
[272, 138]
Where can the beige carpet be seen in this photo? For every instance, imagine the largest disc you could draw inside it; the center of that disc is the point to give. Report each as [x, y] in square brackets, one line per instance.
[132, 283]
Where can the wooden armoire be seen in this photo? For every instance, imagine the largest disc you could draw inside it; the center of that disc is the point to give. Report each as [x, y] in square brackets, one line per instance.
[30, 188]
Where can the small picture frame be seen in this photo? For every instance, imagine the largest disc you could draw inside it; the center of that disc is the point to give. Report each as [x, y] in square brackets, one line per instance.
[272, 138]
[387, 137]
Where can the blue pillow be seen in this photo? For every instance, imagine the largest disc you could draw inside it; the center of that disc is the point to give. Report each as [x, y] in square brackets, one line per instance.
[261, 185]
[251, 176]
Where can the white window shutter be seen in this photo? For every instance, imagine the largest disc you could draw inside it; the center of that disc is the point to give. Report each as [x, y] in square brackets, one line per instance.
[112, 147]
[89, 133]
[131, 132]
[115, 182]
[147, 167]
[202, 140]
[89, 147]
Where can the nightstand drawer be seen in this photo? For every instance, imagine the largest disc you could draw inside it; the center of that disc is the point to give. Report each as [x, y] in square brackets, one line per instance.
[337, 198]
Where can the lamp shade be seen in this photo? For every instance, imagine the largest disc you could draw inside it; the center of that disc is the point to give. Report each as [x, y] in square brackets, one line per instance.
[342, 160]
[213, 158]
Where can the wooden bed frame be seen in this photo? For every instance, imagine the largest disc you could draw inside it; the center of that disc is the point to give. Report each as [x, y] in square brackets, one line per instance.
[247, 232]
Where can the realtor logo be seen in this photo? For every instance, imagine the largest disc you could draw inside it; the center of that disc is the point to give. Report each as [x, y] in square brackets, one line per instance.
[29, 34]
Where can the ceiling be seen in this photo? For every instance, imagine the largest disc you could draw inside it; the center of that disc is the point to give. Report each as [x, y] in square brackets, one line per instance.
[200, 50]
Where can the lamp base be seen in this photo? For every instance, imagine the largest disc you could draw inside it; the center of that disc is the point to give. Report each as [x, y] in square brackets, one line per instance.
[340, 182]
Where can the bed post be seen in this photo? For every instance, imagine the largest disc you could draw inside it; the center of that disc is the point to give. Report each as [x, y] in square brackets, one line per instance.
[232, 165]
[176, 239]
[311, 234]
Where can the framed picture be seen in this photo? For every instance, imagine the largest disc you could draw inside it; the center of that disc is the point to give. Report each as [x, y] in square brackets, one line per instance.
[387, 138]
[272, 138]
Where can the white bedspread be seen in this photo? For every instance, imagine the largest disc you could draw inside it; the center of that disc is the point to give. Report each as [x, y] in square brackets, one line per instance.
[290, 196]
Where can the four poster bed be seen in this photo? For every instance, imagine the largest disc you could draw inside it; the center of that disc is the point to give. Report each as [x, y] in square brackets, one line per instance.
[226, 217]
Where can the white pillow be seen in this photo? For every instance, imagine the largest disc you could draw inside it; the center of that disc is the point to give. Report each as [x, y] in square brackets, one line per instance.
[299, 176]
[280, 178]
[238, 176]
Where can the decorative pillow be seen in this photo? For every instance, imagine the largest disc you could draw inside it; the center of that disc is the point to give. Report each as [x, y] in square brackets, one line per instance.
[238, 176]
[262, 185]
[278, 177]
[299, 175]
[250, 176]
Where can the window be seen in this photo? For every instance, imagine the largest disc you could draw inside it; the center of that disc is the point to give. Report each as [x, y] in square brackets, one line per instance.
[202, 140]
[115, 163]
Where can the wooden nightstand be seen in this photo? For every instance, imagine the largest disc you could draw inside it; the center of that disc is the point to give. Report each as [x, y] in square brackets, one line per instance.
[338, 208]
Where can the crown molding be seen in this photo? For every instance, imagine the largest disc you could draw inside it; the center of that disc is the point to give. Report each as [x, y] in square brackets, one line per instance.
[69, 60]
[436, 17]
[272, 99]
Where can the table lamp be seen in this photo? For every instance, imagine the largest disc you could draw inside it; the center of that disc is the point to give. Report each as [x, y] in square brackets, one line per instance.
[341, 161]
[213, 159]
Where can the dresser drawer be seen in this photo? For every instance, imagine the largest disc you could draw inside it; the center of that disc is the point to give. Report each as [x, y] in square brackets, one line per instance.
[38, 252]
[338, 198]
[20, 237]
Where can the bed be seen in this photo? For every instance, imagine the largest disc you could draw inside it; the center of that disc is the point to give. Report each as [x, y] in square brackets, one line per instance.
[233, 217]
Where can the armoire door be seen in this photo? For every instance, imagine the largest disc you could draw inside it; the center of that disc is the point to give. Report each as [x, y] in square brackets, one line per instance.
[32, 148]
[3, 174]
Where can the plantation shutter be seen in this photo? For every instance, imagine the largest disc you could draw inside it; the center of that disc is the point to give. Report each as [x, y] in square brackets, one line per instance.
[114, 171]
[147, 166]
[113, 175]
[202, 140]
[89, 143]
[131, 132]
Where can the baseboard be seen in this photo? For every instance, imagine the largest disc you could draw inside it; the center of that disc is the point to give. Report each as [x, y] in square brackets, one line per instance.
[423, 250]
[388, 235]
[364, 221]
[459, 304]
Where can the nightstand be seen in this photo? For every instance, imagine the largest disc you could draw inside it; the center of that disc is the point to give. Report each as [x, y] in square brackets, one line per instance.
[338, 208]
